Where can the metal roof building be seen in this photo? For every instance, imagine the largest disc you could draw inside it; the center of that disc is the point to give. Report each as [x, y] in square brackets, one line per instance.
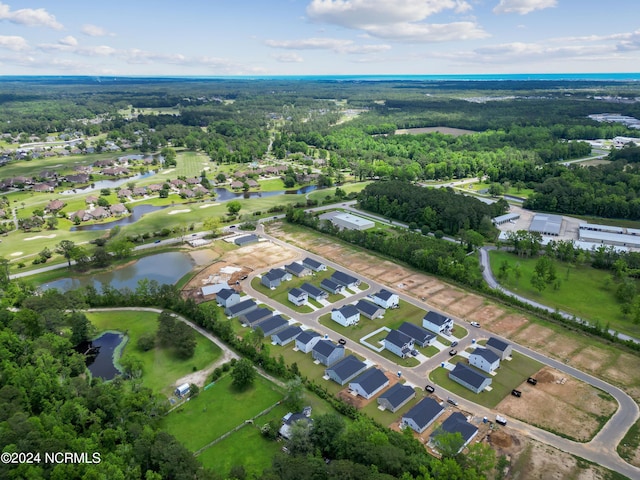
[546, 224]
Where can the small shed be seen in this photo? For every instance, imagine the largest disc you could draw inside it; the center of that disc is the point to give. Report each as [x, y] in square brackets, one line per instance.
[182, 390]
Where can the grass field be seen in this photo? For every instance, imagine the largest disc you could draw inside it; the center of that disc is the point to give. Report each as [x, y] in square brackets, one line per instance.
[583, 293]
[524, 192]
[320, 195]
[510, 375]
[387, 417]
[160, 367]
[219, 409]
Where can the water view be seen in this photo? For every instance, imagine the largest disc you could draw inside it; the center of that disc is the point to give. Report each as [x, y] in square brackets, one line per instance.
[136, 214]
[99, 355]
[100, 184]
[164, 268]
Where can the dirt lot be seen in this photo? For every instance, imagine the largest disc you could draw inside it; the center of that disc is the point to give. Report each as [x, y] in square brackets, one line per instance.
[507, 325]
[359, 402]
[559, 403]
[468, 303]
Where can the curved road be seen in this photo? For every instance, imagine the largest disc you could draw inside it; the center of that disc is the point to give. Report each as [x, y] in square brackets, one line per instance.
[601, 449]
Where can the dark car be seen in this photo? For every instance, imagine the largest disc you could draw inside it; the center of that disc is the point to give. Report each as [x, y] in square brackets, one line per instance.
[453, 352]
[516, 393]
[342, 341]
[429, 389]
[532, 380]
[414, 353]
[452, 401]
[454, 343]
[157, 241]
[232, 226]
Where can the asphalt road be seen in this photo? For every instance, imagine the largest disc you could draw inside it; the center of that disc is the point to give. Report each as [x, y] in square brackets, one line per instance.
[601, 449]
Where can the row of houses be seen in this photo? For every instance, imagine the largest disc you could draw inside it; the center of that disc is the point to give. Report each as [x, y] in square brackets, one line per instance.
[349, 315]
[484, 360]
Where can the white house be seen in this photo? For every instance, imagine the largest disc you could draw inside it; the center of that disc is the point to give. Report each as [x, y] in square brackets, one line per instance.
[484, 359]
[398, 343]
[307, 340]
[368, 384]
[314, 265]
[346, 316]
[437, 323]
[386, 299]
[298, 297]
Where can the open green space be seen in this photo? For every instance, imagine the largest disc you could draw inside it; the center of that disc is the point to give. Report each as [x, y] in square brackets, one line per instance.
[510, 374]
[219, 409]
[584, 291]
[514, 191]
[628, 447]
[320, 195]
[161, 368]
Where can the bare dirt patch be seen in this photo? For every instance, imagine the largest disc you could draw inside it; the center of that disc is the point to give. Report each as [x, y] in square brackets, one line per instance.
[619, 369]
[260, 255]
[591, 359]
[559, 403]
[466, 304]
[534, 336]
[508, 325]
[446, 297]
[360, 402]
[486, 314]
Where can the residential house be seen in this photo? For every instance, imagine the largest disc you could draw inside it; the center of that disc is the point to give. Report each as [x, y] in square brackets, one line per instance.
[314, 265]
[255, 316]
[298, 297]
[275, 277]
[346, 369]
[177, 183]
[456, 423]
[369, 383]
[345, 279]
[396, 397]
[297, 269]
[500, 348]
[469, 378]
[423, 414]
[139, 191]
[292, 418]
[327, 352]
[286, 336]
[240, 308]
[369, 309]
[437, 323]
[272, 325]
[420, 336]
[54, 206]
[236, 184]
[79, 178]
[307, 340]
[346, 316]
[118, 209]
[124, 192]
[246, 240]
[42, 187]
[91, 199]
[386, 299]
[314, 292]
[227, 297]
[484, 359]
[253, 183]
[398, 343]
[213, 289]
[193, 181]
[98, 213]
[331, 286]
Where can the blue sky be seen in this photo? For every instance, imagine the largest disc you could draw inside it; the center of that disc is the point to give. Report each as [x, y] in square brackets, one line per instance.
[317, 37]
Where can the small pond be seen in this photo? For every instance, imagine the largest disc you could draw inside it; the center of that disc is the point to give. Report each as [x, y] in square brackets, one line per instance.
[166, 267]
[99, 354]
[100, 184]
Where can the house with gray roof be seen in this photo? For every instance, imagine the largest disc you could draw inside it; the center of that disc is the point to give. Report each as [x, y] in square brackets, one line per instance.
[240, 308]
[469, 378]
[274, 277]
[313, 291]
[369, 310]
[500, 348]
[286, 336]
[227, 297]
[420, 336]
[346, 315]
[327, 352]
[297, 269]
[484, 359]
[396, 397]
[290, 419]
[314, 265]
[369, 383]
[331, 286]
[255, 316]
[398, 343]
[307, 340]
[298, 296]
[345, 279]
[246, 240]
[386, 299]
[272, 325]
[456, 423]
[423, 414]
[346, 369]
[437, 323]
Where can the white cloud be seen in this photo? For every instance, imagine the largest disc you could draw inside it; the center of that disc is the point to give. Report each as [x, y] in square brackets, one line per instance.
[288, 58]
[95, 31]
[523, 7]
[333, 44]
[13, 42]
[428, 33]
[69, 41]
[29, 17]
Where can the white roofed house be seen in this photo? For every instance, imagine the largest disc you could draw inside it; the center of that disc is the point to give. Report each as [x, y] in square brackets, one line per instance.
[437, 323]
[386, 299]
[298, 297]
[484, 359]
[500, 348]
[398, 343]
[369, 383]
[346, 316]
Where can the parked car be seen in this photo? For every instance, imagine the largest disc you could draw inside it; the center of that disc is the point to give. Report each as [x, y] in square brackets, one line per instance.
[414, 353]
[157, 241]
[342, 341]
[516, 393]
[454, 343]
[532, 380]
[475, 324]
[453, 352]
[452, 401]
[429, 389]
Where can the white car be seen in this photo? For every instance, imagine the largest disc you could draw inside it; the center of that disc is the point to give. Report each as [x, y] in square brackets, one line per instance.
[475, 324]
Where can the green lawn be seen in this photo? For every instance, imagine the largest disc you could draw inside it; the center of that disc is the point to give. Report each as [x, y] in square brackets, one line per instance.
[510, 375]
[387, 417]
[219, 409]
[161, 368]
[320, 195]
[583, 291]
[523, 192]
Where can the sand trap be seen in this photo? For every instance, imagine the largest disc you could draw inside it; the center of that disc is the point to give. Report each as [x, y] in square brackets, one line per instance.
[179, 211]
[15, 254]
[168, 171]
[53, 235]
[209, 205]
